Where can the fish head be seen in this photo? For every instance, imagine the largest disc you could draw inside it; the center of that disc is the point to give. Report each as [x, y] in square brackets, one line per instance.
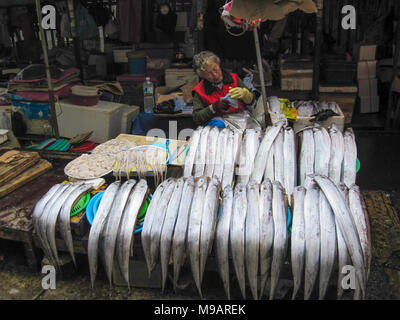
[240, 187]
[179, 183]
[252, 184]
[201, 182]
[355, 188]
[277, 184]
[190, 180]
[228, 192]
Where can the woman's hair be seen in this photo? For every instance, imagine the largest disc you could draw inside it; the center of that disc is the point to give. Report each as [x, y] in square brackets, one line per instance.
[203, 59]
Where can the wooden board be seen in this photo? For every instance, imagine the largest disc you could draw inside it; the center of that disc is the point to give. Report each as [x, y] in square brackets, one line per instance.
[41, 167]
[13, 162]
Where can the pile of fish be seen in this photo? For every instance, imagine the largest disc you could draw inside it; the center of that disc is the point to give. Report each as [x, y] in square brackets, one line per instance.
[233, 157]
[251, 228]
[331, 154]
[112, 231]
[306, 108]
[329, 231]
[311, 108]
[56, 206]
[253, 224]
[181, 219]
[260, 175]
[212, 153]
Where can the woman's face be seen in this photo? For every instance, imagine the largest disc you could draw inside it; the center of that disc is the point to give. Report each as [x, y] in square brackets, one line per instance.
[213, 73]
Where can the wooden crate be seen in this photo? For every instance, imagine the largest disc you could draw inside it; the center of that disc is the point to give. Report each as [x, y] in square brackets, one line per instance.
[175, 77]
[302, 122]
[296, 79]
[346, 102]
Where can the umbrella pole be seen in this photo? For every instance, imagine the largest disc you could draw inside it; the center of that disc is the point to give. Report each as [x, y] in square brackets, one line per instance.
[260, 69]
[46, 62]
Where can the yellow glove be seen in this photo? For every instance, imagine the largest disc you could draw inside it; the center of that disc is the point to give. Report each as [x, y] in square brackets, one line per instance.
[241, 93]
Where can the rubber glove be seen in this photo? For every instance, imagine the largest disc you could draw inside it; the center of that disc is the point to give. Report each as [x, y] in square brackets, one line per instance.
[241, 93]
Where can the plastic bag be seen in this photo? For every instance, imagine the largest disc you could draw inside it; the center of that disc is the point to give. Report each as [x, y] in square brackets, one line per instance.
[232, 102]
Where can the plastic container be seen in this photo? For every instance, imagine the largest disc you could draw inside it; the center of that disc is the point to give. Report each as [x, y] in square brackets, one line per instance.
[148, 96]
[137, 62]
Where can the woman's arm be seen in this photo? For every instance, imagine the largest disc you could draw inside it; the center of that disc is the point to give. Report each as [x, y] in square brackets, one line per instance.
[201, 113]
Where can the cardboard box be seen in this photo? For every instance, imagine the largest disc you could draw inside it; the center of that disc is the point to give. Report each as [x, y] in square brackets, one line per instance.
[164, 93]
[368, 87]
[293, 84]
[364, 52]
[345, 101]
[369, 104]
[178, 77]
[366, 70]
[302, 122]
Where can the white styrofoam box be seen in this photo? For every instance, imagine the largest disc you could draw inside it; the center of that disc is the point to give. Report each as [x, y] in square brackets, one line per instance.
[104, 119]
[128, 114]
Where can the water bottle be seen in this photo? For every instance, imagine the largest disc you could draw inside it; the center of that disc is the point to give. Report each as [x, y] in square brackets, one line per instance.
[148, 96]
[4, 121]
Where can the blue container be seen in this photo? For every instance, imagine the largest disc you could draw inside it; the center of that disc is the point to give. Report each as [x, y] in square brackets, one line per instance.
[137, 66]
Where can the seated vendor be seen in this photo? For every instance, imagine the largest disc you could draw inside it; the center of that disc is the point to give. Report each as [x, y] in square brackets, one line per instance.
[208, 107]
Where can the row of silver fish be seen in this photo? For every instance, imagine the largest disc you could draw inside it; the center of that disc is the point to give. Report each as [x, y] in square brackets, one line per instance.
[55, 208]
[238, 158]
[213, 152]
[253, 225]
[112, 232]
[329, 229]
[329, 153]
[181, 219]
[251, 228]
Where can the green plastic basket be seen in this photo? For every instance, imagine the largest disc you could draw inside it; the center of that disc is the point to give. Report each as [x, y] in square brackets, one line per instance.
[143, 211]
[81, 204]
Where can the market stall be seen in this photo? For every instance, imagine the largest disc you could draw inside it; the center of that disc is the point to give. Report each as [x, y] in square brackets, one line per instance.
[143, 193]
[147, 220]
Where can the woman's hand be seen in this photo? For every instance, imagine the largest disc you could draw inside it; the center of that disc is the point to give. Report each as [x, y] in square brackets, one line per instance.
[220, 106]
[241, 93]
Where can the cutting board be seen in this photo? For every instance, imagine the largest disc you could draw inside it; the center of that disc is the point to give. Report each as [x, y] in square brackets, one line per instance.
[14, 162]
[33, 172]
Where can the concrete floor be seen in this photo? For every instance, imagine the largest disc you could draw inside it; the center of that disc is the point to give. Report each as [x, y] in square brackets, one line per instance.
[378, 153]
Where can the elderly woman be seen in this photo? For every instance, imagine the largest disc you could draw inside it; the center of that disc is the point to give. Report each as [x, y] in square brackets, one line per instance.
[210, 94]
